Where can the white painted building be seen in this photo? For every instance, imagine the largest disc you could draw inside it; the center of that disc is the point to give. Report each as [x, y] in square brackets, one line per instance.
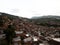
[56, 39]
[17, 41]
[27, 39]
[35, 38]
[18, 32]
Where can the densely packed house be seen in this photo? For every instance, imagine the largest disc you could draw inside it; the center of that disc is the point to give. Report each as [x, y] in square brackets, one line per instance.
[20, 31]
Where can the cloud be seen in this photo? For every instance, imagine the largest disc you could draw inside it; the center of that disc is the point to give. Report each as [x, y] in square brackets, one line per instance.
[29, 8]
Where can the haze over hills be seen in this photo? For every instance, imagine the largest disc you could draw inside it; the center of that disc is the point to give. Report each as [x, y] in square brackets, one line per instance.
[48, 16]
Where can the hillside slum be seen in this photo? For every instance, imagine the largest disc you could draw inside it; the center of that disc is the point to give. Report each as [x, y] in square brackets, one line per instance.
[16, 30]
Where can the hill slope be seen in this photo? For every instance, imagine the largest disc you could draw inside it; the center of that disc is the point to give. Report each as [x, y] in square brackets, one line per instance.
[47, 20]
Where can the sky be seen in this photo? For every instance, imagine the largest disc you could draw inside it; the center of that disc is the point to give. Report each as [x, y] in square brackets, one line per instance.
[30, 8]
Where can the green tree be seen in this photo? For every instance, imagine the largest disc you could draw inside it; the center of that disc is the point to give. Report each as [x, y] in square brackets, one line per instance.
[10, 34]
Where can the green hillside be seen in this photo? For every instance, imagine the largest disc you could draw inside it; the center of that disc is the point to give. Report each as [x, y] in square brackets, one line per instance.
[47, 20]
